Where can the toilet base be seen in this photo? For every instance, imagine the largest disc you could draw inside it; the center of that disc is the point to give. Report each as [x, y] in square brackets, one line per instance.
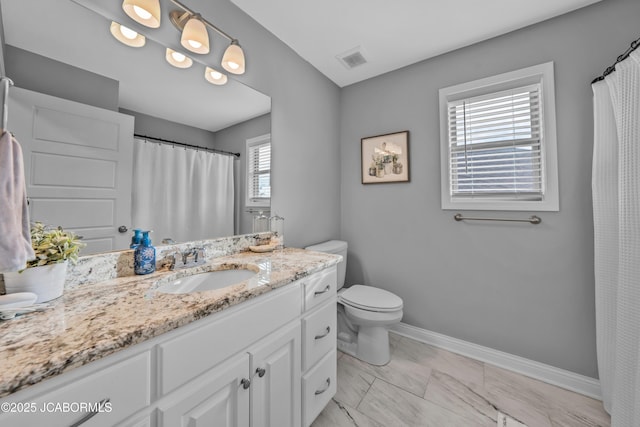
[370, 344]
[373, 345]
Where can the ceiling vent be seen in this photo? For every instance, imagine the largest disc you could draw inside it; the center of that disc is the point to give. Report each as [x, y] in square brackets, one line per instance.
[352, 58]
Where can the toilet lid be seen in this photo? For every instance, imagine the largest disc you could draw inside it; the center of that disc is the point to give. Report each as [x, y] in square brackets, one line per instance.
[370, 298]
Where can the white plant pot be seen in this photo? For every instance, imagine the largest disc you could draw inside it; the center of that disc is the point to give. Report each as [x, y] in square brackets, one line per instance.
[46, 281]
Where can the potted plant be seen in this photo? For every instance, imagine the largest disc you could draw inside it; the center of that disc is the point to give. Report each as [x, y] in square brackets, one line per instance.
[45, 275]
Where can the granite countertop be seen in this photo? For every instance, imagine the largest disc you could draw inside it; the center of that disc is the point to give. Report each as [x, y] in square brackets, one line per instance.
[94, 320]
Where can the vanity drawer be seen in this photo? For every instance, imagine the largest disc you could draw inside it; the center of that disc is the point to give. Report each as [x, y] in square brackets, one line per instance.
[221, 335]
[318, 387]
[319, 333]
[320, 287]
[126, 384]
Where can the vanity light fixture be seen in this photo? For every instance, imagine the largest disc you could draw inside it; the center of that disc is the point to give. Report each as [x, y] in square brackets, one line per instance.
[233, 58]
[215, 77]
[145, 12]
[195, 37]
[177, 59]
[126, 35]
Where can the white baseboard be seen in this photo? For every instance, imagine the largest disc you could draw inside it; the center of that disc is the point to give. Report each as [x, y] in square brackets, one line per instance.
[540, 371]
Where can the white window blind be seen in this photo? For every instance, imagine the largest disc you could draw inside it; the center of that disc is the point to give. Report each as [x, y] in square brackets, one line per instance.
[495, 145]
[259, 172]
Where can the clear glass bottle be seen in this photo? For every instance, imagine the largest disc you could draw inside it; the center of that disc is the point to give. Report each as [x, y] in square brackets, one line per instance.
[277, 228]
[260, 223]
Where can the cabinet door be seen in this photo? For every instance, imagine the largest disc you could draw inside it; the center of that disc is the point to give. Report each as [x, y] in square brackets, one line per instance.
[275, 388]
[218, 398]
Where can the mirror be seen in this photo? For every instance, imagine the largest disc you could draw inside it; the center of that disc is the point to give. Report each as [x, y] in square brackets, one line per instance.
[167, 102]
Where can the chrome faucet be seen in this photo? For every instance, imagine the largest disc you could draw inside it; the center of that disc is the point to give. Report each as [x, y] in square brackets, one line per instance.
[198, 254]
[179, 259]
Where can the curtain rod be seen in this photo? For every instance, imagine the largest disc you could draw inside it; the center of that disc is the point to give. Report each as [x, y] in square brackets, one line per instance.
[183, 144]
[634, 45]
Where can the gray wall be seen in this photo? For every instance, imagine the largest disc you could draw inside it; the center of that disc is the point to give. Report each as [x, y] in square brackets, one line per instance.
[160, 128]
[234, 139]
[304, 127]
[61, 80]
[522, 289]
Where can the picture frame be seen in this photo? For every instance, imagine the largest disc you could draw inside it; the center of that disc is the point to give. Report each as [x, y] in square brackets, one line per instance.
[385, 158]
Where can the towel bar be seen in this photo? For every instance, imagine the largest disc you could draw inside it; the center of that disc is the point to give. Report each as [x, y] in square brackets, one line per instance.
[533, 219]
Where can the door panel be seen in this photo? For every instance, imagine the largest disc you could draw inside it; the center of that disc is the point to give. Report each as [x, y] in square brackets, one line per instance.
[78, 166]
[217, 398]
[275, 388]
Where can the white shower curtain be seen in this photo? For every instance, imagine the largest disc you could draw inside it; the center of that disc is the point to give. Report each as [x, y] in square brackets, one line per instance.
[616, 212]
[181, 193]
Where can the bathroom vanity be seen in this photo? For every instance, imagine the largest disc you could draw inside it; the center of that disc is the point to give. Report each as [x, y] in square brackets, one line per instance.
[258, 353]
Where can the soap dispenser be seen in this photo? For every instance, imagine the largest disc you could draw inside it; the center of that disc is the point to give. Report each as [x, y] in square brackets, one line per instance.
[144, 256]
[136, 239]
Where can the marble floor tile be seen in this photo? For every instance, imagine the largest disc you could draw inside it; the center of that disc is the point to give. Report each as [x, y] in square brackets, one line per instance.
[353, 384]
[569, 409]
[336, 414]
[393, 406]
[519, 410]
[451, 393]
[424, 385]
[465, 369]
[506, 421]
[563, 407]
[403, 373]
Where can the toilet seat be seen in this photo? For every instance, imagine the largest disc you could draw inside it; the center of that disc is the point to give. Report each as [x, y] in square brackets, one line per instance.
[370, 299]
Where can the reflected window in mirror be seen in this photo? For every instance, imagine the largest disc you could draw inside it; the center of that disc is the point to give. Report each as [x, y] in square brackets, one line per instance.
[259, 171]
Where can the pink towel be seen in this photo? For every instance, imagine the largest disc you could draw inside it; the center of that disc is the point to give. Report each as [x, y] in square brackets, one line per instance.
[15, 239]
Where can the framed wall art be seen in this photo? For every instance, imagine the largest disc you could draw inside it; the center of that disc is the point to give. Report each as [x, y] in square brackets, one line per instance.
[385, 158]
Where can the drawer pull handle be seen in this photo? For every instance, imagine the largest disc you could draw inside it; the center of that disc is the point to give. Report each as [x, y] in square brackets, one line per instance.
[91, 414]
[246, 383]
[327, 332]
[315, 294]
[261, 372]
[324, 389]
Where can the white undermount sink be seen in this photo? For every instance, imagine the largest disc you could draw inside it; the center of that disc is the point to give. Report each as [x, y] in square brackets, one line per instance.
[206, 281]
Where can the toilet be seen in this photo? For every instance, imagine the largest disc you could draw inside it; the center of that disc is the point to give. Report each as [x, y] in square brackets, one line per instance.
[365, 313]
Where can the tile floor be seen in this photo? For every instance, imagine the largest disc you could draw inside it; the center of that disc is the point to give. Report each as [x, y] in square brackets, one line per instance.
[427, 386]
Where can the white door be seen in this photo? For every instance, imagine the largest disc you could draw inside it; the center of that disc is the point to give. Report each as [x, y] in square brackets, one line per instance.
[275, 387]
[218, 398]
[78, 166]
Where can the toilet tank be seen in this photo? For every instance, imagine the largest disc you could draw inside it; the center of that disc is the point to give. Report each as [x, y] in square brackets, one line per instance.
[337, 247]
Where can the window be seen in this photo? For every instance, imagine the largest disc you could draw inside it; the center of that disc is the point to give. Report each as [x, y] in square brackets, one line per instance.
[259, 171]
[498, 145]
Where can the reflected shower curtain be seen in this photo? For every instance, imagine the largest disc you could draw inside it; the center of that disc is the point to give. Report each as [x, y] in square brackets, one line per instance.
[181, 193]
[616, 212]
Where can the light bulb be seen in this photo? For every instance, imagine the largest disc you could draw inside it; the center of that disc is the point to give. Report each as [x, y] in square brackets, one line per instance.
[195, 44]
[178, 56]
[126, 35]
[142, 13]
[128, 32]
[178, 59]
[214, 76]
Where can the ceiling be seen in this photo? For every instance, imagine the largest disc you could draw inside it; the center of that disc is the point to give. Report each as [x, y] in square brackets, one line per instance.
[392, 34]
[79, 35]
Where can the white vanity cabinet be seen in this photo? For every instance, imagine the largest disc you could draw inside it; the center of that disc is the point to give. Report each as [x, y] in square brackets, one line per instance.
[319, 329]
[267, 362]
